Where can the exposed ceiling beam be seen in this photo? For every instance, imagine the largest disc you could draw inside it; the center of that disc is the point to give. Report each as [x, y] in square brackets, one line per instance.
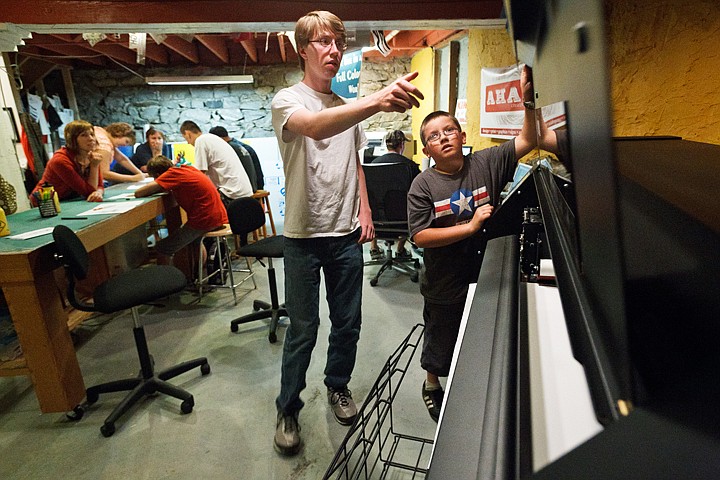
[183, 47]
[34, 70]
[117, 52]
[421, 39]
[438, 36]
[250, 46]
[155, 52]
[65, 37]
[152, 50]
[58, 44]
[183, 12]
[216, 45]
[281, 44]
[76, 51]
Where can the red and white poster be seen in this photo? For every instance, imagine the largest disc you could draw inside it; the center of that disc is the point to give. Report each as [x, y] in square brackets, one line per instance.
[461, 110]
[502, 110]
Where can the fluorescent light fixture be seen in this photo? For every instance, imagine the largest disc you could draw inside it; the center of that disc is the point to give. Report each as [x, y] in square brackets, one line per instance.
[203, 80]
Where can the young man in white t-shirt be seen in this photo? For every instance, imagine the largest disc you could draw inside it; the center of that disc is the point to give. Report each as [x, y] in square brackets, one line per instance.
[327, 216]
[219, 161]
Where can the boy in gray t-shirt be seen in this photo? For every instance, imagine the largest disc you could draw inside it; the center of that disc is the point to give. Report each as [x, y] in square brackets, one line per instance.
[447, 206]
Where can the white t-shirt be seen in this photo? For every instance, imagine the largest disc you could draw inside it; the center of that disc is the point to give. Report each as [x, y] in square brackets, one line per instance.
[321, 179]
[217, 158]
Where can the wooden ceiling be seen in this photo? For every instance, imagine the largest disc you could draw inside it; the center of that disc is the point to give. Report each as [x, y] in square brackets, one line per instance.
[208, 49]
[215, 33]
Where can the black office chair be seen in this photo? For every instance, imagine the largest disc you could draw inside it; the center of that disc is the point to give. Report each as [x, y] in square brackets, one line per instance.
[247, 215]
[387, 187]
[126, 290]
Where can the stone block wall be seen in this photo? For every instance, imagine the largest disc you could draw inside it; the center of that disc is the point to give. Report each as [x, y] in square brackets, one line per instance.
[116, 96]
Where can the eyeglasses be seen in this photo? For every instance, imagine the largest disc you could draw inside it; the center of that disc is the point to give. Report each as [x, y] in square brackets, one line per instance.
[325, 42]
[448, 132]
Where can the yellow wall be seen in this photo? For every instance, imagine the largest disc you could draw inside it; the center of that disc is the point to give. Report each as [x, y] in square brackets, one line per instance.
[423, 62]
[664, 65]
[486, 48]
[665, 68]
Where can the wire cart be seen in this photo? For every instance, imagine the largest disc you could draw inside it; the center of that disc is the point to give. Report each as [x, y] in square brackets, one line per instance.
[372, 448]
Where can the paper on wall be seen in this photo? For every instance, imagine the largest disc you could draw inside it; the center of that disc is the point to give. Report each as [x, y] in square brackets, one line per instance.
[35, 107]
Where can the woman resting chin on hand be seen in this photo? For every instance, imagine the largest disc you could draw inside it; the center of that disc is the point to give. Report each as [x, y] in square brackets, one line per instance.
[74, 170]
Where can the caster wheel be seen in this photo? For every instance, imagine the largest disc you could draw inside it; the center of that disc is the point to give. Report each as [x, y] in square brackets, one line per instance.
[187, 405]
[417, 263]
[373, 282]
[233, 327]
[92, 396]
[414, 278]
[76, 414]
[205, 368]
[272, 337]
[107, 429]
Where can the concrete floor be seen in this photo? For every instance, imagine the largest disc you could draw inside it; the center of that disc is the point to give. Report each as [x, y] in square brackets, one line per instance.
[229, 433]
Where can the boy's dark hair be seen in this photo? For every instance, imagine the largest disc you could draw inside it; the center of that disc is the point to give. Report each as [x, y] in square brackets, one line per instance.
[220, 131]
[433, 116]
[190, 126]
[158, 165]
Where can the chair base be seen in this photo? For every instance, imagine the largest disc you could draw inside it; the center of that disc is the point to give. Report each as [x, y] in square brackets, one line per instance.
[262, 310]
[273, 310]
[146, 383]
[391, 262]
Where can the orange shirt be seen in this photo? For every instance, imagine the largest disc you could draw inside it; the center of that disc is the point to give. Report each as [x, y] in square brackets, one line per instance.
[196, 194]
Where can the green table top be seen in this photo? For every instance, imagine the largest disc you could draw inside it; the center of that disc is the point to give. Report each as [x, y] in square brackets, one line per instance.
[71, 215]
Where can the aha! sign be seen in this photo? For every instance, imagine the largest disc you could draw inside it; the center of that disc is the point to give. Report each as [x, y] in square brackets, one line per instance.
[504, 97]
[502, 111]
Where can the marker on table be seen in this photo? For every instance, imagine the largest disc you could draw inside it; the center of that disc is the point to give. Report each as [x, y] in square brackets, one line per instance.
[73, 218]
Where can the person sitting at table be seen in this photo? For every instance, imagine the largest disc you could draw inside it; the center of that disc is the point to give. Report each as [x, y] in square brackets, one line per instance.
[195, 193]
[109, 138]
[74, 170]
[247, 156]
[218, 160]
[153, 146]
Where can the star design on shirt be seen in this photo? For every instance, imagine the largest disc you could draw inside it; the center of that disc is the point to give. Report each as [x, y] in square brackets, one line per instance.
[463, 203]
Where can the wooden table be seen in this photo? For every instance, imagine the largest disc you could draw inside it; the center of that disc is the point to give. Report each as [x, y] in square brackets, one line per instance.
[36, 307]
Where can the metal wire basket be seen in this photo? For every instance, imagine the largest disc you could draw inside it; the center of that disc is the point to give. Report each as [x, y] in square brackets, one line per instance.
[372, 448]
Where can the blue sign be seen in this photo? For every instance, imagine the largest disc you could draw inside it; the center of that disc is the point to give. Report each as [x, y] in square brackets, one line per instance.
[346, 80]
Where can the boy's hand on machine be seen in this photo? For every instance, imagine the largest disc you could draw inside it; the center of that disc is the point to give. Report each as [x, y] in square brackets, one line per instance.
[526, 84]
[481, 215]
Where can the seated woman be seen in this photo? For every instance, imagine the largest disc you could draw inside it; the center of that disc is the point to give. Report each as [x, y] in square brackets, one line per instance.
[153, 146]
[109, 138]
[74, 170]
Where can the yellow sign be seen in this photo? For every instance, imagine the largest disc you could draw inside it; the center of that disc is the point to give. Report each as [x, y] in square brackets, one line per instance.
[183, 153]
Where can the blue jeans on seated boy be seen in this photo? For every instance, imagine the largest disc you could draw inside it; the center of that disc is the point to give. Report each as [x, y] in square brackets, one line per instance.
[341, 260]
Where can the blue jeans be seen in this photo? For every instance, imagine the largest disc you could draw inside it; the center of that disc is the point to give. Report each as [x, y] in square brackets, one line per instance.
[341, 260]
